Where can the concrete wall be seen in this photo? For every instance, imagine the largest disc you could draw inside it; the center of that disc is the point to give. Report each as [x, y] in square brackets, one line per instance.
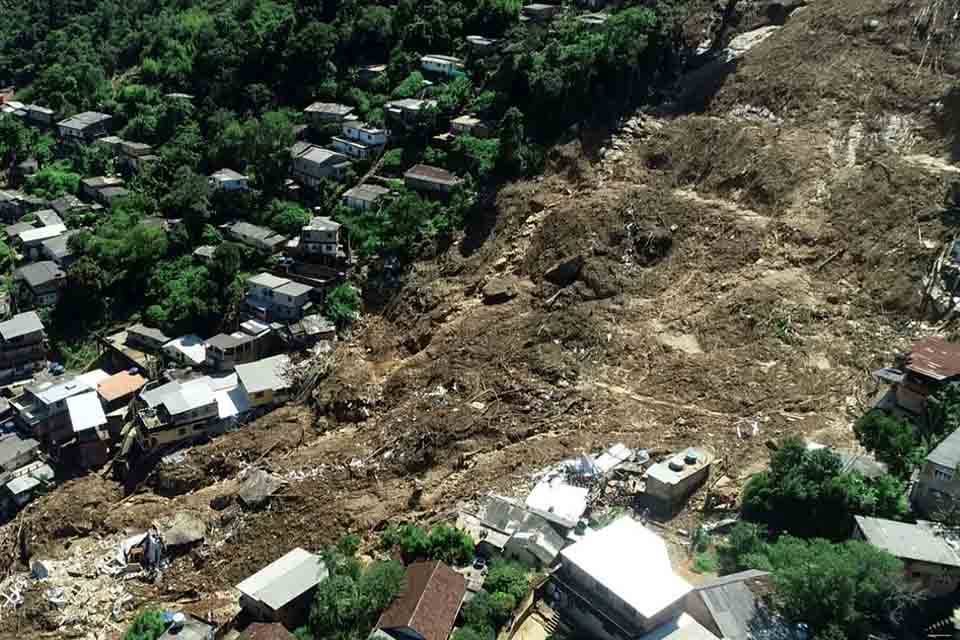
[931, 493]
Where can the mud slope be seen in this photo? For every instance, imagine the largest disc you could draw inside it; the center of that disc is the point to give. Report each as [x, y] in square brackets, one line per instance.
[752, 262]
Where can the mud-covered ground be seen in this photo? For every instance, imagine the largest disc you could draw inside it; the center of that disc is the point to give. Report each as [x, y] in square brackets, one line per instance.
[688, 274]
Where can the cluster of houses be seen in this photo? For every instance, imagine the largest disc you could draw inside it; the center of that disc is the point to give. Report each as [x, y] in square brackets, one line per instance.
[147, 392]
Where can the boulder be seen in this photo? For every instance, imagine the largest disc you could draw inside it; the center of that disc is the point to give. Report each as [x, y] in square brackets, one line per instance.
[499, 290]
[565, 272]
[184, 530]
[257, 488]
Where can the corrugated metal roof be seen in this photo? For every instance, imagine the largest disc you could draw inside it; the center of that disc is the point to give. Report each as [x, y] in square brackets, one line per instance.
[934, 358]
[13, 446]
[431, 174]
[191, 346]
[268, 280]
[284, 579]
[43, 233]
[86, 412]
[731, 603]
[907, 541]
[191, 395]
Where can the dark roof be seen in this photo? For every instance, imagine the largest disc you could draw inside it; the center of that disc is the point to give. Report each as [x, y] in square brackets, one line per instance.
[84, 120]
[934, 358]
[40, 273]
[265, 631]
[226, 341]
[734, 606]
[429, 602]
[431, 174]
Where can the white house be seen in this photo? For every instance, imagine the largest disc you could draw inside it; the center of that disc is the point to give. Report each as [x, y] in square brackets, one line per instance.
[228, 180]
[364, 196]
[446, 65]
[188, 350]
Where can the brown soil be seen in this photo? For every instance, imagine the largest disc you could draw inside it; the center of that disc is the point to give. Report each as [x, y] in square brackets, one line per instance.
[715, 269]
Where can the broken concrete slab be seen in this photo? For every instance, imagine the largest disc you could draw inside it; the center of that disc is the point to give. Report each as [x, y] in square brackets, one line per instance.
[257, 488]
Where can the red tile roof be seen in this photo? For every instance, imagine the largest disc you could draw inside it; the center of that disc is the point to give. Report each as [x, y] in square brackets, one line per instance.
[934, 358]
[429, 602]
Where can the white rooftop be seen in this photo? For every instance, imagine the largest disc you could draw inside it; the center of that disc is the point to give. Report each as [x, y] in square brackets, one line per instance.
[190, 346]
[191, 395]
[283, 580]
[263, 375]
[86, 412]
[631, 562]
[554, 496]
[43, 233]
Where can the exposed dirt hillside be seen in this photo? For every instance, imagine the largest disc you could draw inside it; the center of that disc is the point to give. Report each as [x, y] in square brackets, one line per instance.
[691, 272]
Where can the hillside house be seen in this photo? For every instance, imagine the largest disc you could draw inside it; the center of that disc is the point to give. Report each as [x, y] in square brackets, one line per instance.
[937, 487]
[732, 607]
[312, 164]
[177, 412]
[271, 297]
[254, 341]
[929, 561]
[22, 170]
[133, 156]
[283, 590]
[368, 134]
[89, 446]
[539, 12]
[266, 382]
[23, 346]
[322, 238]
[597, 587]
[111, 143]
[188, 350]
[430, 179]
[481, 45]
[16, 452]
[501, 527]
[204, 253]
[229, 180]
[91, 188]
[261, 238]
[43, 281]
[57, 249]
[594, 20]
[364, 197]
[42, 411]
[46, 218]
[40, 116]
[320, 114]
[930, 364]
[409, 111]
[371, 74]
[30, 241]
[427, 607]
[441, 64]
[146, 338]
[16, 204]
[117, 391]
[470, 125]
[84, 127]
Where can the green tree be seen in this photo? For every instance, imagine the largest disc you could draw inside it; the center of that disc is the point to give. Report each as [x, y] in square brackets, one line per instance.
[342, 305]
[410, 86]
[82, 302]
[287, 217]
[852, 587]
[189, 199]
[509, 578]
[806, 493]
[149, 625]
[453, 546]
[14, 140]
[895, 441]
[54, 180]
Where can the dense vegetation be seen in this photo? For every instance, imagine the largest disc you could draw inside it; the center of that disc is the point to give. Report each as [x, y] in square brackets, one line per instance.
[251, 66]
[845, 590]
[149, 625]
[442, 542]
[808, 494]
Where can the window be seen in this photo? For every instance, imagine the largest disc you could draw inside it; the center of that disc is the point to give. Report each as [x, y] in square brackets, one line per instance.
[942, 474]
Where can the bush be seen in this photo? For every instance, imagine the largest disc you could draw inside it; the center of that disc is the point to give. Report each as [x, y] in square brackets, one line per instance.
[509, 578]
[343, 305]
[745, 539]
[149, 625]
[705, 562]
[443, 542]
[894, 441]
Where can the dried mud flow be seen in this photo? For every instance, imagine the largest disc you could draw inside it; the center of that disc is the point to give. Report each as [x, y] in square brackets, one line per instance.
[692, 272]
